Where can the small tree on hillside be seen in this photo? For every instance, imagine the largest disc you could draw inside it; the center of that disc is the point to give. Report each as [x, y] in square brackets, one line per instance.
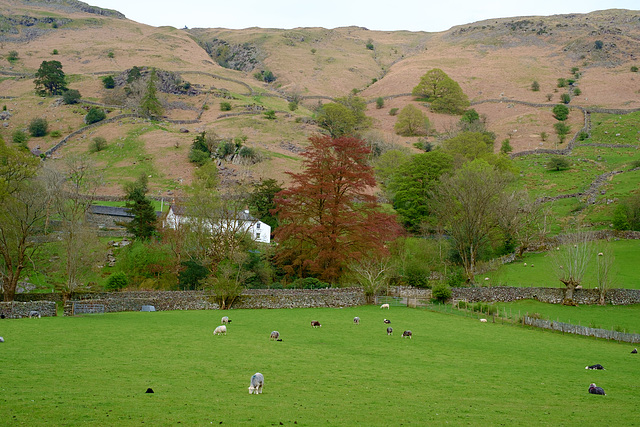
[38, 127]
[50, 79]
[444, 94]
[411, 122]
[557, 164]
[561, 112]
[535, 86]
[562, 129]
[143, 224]
[150, 106]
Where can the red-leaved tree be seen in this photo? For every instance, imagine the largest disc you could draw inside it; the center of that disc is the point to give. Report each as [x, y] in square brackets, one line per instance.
[328, 215]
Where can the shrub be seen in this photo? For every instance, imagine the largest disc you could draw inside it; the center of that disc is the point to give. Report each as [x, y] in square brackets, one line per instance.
[562, 82]
[55, 134]
[38, 127]
[598, 44]
[549, 97]
[441, 292]
[271, 115]
[55, 52]
[379, 102]
[535, 86]
[393, 111]
[309, 283]
[19, 137]
[95, 115]
[634, 69]
[583, 135]
[506, 147]
[293, 106]
[71, 96]
[561, 112]
[577, 91]
[544, 136]
[456, 277]
[225, 106]
[313, 50]
[117, 281]
[110, 55]
[198, 157]
[557, 164]
[12, 56]
[369, 44]
[192, 276]
[417, 274]
[108, 82]
[565, 98]
[98, 143]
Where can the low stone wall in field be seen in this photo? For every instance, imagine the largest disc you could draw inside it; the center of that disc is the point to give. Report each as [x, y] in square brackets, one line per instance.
[581, 330]
[17, 309]
[200, 300]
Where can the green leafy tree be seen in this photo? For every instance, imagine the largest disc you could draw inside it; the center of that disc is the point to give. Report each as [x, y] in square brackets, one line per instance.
[108, 82]
[562, 129]
[411, 184]
[444, 94]
[506, 147]
[262, 201]
[626, 215]
[38, 127]
[150, 105]
[535, 86]
[12, 56]
[143, 224]
[411, 122]
[50, 79]
[565, 98]
[561, 112]
[337, 119]
[379, 102]
[468, 146]
[558, 164]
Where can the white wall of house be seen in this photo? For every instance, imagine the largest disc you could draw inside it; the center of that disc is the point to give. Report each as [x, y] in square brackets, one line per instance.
[259, 231]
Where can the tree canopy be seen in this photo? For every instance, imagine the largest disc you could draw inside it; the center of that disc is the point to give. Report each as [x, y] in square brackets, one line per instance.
[329, 217]
[50, 79]
[444, 94]
[411, 122]
[344, 117]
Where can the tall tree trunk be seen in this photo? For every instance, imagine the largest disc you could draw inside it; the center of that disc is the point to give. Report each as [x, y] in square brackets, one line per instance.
[568, 293]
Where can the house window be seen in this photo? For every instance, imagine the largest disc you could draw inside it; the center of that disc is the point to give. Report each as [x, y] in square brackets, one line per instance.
[257, 236]
[258, 225]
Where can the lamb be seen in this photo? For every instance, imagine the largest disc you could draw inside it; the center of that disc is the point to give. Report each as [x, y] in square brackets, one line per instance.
[274, 335]
[34, 314]
[596, 366]
[483, 320]
[225, 320]
[220, 330]
[596, 390]
[316, 324]
[406, 334]
[389, 330]
[387, 321]
[385, 306]
[356, 320]
[634, 351]
[257, 381]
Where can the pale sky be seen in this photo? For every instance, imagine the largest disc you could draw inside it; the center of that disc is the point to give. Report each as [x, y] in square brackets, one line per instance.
[412, 15]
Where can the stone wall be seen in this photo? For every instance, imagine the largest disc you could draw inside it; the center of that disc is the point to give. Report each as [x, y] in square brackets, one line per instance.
[200, 300]
[17, 309]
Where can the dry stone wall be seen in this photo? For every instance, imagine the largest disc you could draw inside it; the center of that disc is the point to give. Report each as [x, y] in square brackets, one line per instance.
[18, 309]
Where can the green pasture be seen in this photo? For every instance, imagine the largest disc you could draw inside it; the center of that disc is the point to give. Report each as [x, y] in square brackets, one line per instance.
[615, 318]
[94, 370]
[615, 129]
[539, 270]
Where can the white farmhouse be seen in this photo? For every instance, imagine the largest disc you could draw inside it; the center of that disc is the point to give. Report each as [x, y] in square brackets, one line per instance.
[241, 221]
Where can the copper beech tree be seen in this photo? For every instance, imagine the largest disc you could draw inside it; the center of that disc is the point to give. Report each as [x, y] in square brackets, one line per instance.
[329, 216]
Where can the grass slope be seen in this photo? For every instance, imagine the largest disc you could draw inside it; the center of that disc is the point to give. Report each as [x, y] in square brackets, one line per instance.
[95, 370]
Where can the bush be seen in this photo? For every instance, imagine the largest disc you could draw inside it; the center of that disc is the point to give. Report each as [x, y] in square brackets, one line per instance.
[561, 112]
[379, 102]
[634, 69]
[417, 275]
[441, 292]
[577, 91]
[393, 111]
[198, 157]
[271, 115]
[12, 56]
[38, 127]
[598, 44]
[55, 134]
[225, 106]
[535, 86]
[19, 137]
[192, 276]
[293, 106]
[97, 144]
[108, 82]
[562, 82]
[558, 164]
[117, 281]
[309, 283]
[55, 52]
[95, 115]
[506, 147]
[566, 98]
[583, 135]
[71, 96]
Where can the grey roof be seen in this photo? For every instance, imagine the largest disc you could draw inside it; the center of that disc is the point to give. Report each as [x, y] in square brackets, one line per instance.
[113, 211]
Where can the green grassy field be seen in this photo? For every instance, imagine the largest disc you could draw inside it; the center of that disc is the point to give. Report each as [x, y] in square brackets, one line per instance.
[95, 370]
[539, 270]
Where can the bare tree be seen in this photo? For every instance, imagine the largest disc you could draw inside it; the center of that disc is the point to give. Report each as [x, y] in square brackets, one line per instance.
[372, 273]
[570, 261]
[605, 273]
[520, 219]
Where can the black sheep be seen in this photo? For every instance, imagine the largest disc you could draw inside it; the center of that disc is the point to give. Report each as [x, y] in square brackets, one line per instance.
[596, 390]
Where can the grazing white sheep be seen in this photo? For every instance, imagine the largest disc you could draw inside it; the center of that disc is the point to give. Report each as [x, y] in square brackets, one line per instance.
[220, 330]
[1, 339]
[34, 314]
[389, 330]
[274, 335]
[225, 320]
[356, 320]
[600, 254]
[483, 320]
[406, 334]
[385, 306]
[257, 382]
[316, 324]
